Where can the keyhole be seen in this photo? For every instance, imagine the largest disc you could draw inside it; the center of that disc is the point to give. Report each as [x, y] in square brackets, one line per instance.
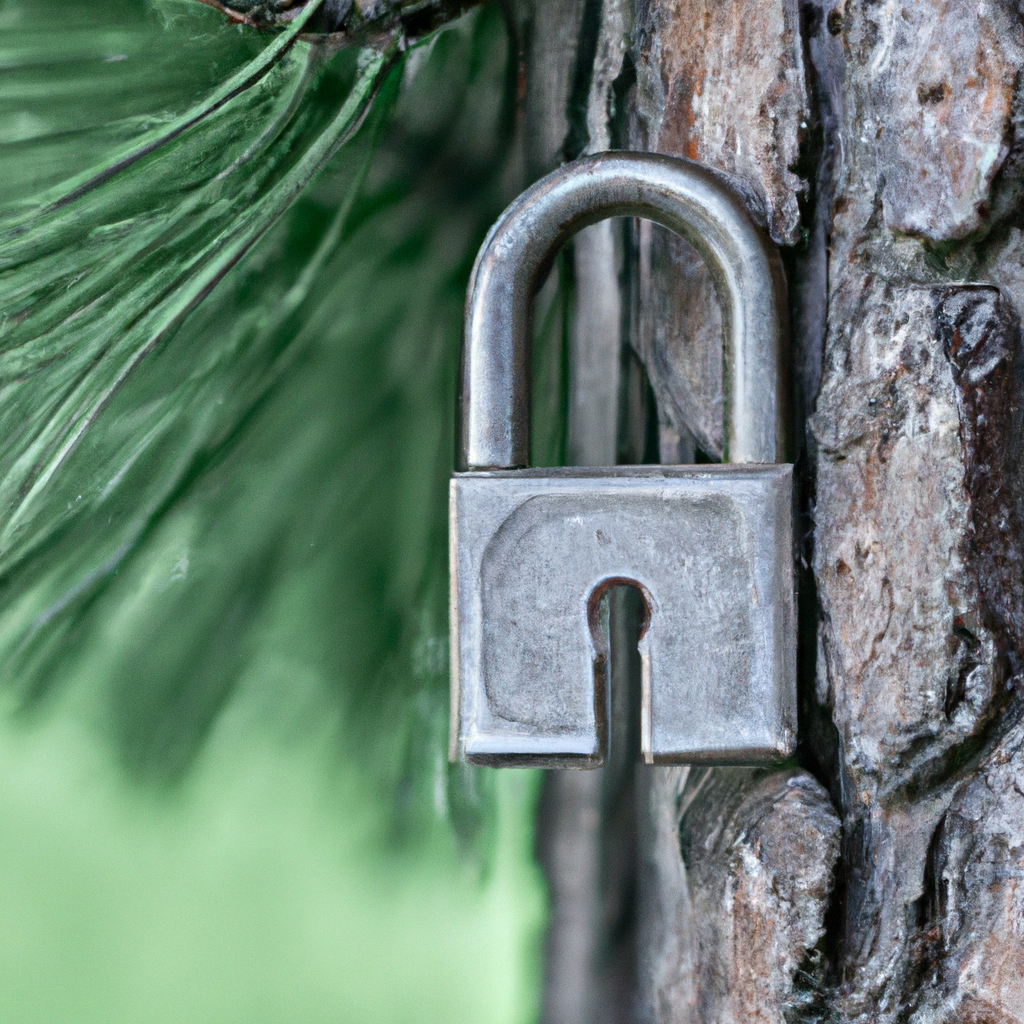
[619, 613]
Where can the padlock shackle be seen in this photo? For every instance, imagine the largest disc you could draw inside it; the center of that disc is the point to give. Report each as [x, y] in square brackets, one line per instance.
[518, 251]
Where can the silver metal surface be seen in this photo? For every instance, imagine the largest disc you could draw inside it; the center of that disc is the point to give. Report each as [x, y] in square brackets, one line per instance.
[708, 547]
[517, 252]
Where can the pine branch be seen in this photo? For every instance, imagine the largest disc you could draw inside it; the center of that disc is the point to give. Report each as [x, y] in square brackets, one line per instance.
[346, 21]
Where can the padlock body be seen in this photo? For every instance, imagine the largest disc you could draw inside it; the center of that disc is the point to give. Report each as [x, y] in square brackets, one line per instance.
[709, 548]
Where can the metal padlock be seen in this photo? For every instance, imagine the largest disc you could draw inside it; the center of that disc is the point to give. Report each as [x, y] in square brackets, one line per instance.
[709, 547]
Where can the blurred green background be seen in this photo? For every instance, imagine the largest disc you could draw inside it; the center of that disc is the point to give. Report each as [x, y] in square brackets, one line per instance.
[232, 268]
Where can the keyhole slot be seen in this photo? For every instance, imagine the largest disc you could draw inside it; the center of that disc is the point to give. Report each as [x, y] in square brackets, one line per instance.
[619, 614]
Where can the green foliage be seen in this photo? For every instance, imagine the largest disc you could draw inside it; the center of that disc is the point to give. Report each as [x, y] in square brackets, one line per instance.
[232, 269]
[276, 403]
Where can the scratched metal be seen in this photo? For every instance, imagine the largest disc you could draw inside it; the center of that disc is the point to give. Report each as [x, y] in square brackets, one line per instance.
[709, 550]
[709, 547]
[515, 256]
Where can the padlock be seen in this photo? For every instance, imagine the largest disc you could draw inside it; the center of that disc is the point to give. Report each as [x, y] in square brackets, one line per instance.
[709, 547]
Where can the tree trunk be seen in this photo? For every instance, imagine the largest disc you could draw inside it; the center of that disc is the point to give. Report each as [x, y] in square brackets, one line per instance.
[876, 879]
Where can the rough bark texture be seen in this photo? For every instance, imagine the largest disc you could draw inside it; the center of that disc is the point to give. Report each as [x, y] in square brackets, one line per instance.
[723, 84]
[918, 515]
[881, 878]
[738, 871]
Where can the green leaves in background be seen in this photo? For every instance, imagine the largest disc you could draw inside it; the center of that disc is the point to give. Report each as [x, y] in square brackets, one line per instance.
[96, 274]
[232, 269]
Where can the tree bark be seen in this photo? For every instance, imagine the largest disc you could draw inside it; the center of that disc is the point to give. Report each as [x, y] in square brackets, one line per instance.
[878, 879]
